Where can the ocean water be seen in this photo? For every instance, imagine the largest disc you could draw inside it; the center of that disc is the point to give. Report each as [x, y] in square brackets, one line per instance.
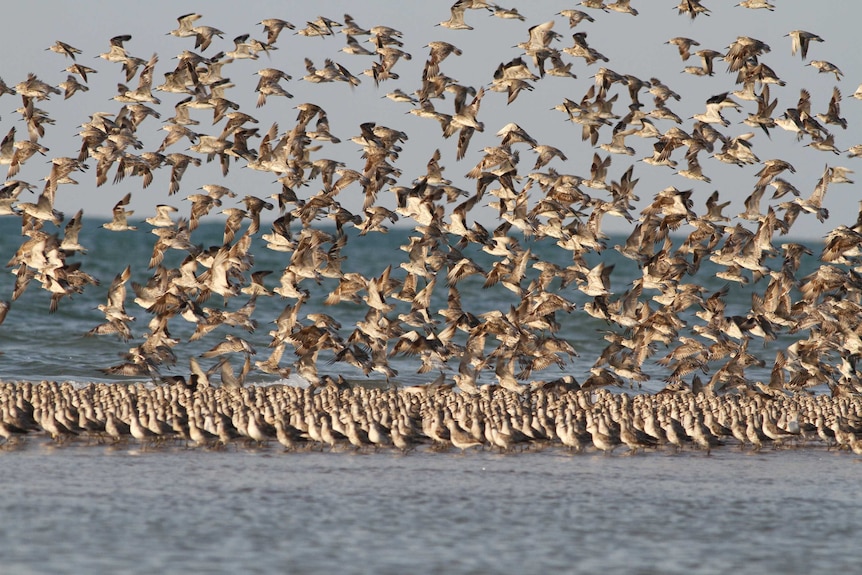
[38, 345]
[105, 509]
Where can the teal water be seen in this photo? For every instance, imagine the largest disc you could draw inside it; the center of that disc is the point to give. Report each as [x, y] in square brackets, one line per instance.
[38, 345]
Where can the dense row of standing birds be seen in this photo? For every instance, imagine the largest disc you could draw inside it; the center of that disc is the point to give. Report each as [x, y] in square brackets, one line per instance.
[664, 316]
[434, 418]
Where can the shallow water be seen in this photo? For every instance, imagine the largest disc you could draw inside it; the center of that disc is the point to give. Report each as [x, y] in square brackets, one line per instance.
[104, 509]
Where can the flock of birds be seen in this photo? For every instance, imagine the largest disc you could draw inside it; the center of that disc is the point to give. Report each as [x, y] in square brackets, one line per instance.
[665, 309]
[424, 418]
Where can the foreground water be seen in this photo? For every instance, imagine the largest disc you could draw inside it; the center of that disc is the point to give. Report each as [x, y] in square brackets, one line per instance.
[103, 509]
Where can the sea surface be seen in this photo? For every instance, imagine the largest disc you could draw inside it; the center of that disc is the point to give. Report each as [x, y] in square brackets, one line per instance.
[105, 509]
[120, 509]
[38, 345]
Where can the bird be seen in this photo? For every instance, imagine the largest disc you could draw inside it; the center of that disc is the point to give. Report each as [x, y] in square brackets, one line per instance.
[684, 45]
[824, 67]
[800, 40]
[120, 223]
[456, 17]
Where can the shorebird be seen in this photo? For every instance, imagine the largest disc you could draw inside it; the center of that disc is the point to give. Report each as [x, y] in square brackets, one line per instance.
[824, 67]
[64, 49]
[684, 45]
[707, 57]
[633, 438]
[204, 36]
[323, 26]
[456, 14]
[42, 210]
[115, 310]
[184, 29]
[71, 86]
[800, 40]
[692, 7]
[756, 5]
[575, 17]
[163, 216]
[602, 440]
[120, 223]
[273, 27]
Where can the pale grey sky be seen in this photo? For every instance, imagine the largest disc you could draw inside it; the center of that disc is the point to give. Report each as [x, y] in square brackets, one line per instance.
[634, 45]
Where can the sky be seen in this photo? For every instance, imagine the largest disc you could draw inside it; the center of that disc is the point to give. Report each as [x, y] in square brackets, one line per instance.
[633, 45]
